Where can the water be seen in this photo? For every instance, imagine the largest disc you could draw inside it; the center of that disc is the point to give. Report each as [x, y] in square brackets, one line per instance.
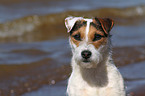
[17, 9]
[132, 82]
[33, 52]
[34, 49]
[45, 90]
[129, 35]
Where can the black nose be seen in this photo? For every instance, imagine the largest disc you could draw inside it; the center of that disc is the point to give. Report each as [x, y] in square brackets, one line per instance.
[86, 54]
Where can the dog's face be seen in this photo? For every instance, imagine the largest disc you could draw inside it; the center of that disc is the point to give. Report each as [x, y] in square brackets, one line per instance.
[89, 39]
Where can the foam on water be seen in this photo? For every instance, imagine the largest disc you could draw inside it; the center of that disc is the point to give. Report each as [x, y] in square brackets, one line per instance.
[129, 24]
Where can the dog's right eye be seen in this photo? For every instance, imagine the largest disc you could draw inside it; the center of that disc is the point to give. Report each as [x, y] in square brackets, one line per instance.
[77, 37]
[97, 37]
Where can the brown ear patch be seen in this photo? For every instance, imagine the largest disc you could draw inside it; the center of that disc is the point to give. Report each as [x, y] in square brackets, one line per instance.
[106, 24]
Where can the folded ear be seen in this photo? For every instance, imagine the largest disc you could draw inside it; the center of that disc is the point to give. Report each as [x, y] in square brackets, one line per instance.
[106, 24]
[70, 22]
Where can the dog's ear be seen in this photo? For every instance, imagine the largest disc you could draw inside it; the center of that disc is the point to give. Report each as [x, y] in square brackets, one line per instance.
[70, 22]
[106, 24]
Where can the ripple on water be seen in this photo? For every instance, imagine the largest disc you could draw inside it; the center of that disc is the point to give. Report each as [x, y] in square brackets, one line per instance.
[134, 81]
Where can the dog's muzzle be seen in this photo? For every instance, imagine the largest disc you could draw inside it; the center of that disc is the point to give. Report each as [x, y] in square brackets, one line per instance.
[86, 54]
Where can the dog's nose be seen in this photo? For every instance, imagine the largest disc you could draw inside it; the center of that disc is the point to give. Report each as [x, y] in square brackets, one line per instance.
[86, 54]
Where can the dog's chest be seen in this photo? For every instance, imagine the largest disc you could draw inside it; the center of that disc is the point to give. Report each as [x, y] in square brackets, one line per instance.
[78, 87]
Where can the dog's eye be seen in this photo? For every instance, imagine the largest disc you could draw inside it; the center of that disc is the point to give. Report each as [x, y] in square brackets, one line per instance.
[97, 37]
[77, 37]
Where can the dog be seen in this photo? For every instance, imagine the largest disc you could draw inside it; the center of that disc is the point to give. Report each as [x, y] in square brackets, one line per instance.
[93, 70]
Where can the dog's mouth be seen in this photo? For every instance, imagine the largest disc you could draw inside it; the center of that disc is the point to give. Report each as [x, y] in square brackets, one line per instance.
[86, 61]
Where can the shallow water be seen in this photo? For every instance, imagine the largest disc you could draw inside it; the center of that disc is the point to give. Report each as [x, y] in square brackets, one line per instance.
[28, 67]
[33, 52]
[49, 89]
[132, 82]
[34, 49]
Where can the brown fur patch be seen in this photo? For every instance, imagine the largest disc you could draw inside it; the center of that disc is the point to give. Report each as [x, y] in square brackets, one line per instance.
[92, 31]
[91, 36]
[80, 31]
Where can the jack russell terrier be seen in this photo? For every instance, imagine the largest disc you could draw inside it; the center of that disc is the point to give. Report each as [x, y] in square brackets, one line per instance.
[93, 70]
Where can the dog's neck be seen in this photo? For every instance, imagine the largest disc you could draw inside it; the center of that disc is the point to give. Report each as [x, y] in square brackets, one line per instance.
[94, 76]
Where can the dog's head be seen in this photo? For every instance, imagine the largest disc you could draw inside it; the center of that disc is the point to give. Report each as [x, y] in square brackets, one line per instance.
[89, 39]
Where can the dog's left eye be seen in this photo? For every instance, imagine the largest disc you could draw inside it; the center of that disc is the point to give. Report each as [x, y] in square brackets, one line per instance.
[97, 37]
[77, 37]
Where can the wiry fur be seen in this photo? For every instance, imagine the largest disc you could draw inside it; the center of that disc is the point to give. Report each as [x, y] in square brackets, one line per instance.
[100, 77]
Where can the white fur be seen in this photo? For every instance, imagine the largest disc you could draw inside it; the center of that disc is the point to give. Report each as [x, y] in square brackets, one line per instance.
[87, 28]
[99, 77]
[70, 21]
[95, 58]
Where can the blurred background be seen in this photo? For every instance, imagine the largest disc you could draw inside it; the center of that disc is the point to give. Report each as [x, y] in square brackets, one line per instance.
[34, 49]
